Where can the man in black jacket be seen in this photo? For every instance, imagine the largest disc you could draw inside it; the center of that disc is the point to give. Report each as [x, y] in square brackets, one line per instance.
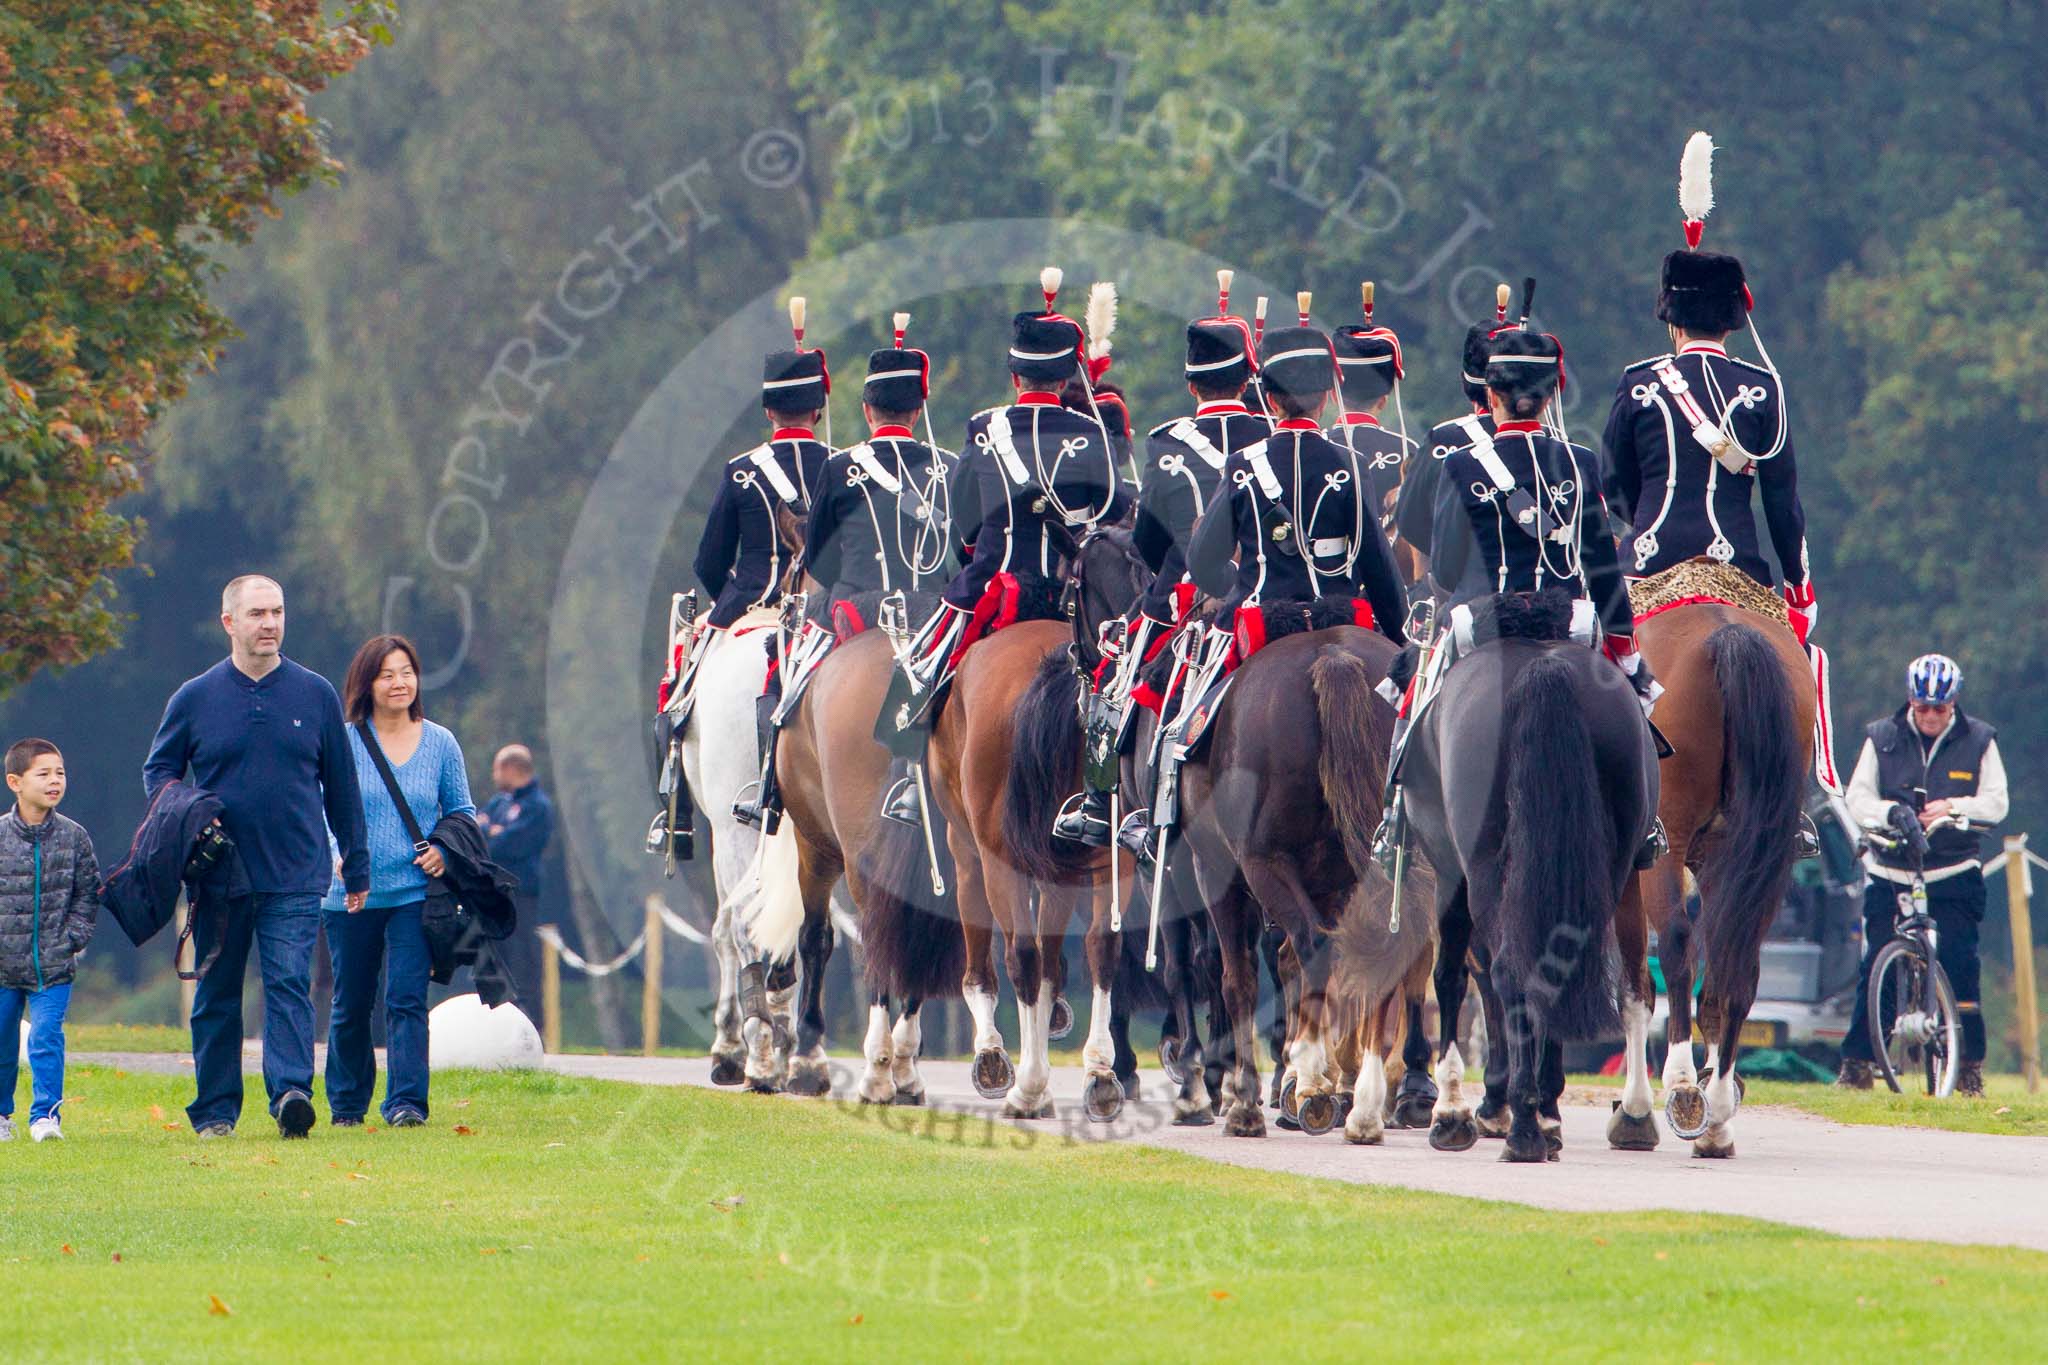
[1924, 762]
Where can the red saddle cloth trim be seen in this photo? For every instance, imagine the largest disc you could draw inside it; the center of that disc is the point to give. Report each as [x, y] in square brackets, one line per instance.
[847, 621]
[1696, 600]
[1248, 630]
[996, 608]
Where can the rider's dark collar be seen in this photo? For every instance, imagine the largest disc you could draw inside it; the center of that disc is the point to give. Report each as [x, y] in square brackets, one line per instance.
[1529, 427]
[1221, 405]
[1297, 424]
[893, 429]
[1037, 398]
[793, 434]
[1360, 419]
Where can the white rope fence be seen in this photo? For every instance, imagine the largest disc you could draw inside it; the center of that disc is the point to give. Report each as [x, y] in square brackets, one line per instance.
[647, 945]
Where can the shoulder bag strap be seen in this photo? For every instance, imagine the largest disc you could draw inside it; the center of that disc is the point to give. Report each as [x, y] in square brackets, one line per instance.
[412, 826]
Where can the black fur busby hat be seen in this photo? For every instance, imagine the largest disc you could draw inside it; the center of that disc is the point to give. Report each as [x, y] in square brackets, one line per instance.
[1368, 361]
[1525, 364]
[899, 378]
[794, 381]
[1297, 361]
[1219, 353]
[1045, 348]
[1700, 291]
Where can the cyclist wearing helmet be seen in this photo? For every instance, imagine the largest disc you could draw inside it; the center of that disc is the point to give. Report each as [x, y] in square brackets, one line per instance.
[1925, 761]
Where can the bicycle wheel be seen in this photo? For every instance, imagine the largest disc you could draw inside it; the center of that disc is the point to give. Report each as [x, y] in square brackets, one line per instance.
[1915, 1028]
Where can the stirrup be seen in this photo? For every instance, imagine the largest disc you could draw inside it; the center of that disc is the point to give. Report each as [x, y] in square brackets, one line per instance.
[1078, 823]
[1655, 845]
[903, 804]
[1806, 840]
[657, 833]
[755, 813]
[1137, 838]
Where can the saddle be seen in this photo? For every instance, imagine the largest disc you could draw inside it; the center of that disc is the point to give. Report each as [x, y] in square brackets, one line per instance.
[1702, 580]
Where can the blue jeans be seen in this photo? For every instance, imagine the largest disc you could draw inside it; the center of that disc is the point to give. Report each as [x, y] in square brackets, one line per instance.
[45, 1047]
[283, 927]
[393, 940]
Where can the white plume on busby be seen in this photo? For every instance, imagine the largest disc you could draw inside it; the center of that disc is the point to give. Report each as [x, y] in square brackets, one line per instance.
[1100, 318]
[1049, 283]
[1696, 186]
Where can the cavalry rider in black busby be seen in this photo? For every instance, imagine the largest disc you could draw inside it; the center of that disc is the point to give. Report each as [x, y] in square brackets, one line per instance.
[1290, 532]
[1184, 466]
[742, 560]
[1369, 374]
[1926, 761]
[1518, 511]
[881, 521]
[1415, 507]
[1034, 476]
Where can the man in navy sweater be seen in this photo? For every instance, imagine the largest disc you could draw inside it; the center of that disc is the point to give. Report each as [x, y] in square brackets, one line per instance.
[267, 737]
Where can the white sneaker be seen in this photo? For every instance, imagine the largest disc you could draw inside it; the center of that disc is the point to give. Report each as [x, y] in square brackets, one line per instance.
[45, 1128]
[6, 1129]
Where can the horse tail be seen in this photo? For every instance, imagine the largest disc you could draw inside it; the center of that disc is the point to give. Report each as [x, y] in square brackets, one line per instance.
[1352, 757]
[1763, 776]
[1559, 879]
[910, 937]
[769, 899]
[1045, 769]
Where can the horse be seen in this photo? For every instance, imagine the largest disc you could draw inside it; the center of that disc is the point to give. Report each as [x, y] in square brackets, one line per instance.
[1004, 753]
[1531, 782]
[1278, 811]
[1738, 708]
[833, 776]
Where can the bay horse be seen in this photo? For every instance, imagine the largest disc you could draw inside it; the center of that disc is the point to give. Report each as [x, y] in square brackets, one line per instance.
[1738, 708]
[833, 776]
[1005, 752]
[1278, 811]
[1531, 781]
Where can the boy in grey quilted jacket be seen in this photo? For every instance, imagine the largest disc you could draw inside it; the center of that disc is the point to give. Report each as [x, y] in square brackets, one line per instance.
[49, 903]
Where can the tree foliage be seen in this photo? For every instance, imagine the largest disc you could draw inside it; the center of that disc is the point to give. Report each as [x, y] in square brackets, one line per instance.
[135, 139]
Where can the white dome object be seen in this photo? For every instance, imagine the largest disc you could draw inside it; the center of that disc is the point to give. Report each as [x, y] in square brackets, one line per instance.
[463, 1032]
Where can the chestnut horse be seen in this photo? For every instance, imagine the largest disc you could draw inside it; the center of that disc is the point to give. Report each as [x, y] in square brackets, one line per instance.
[1738, 708]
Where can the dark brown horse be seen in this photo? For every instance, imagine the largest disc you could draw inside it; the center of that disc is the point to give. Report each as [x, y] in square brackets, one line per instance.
[833, 775]
[1278, 810]
[1738, 709]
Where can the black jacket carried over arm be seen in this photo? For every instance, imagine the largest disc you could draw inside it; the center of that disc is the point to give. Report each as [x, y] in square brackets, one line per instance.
[142, 893]
[468, 907]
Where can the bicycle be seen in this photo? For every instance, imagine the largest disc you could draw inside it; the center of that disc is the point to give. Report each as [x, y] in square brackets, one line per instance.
[1926, 1039]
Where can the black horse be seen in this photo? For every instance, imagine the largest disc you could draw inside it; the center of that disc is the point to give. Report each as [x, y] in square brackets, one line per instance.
[1531, 781]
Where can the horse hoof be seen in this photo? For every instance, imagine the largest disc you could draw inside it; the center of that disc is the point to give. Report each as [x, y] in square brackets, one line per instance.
[1197, 1116]
[1626, 1133]
[908, 1097]
[1062, 1019]
[1014, 1108]
[1364, 1131]
[1526, 1148]
[764, 1085]
[1553, 1135]
[1287, 1113]
[1454, 1133]
[727, 1070]
[1492, 1122]
[993, 1074]
[1718, 1148]
[809, 1081]
[1317, 1114]
[1414, 1101]
[1102, 1099]
[1685, 1109]
[1245, 1121]
[1169, 1061]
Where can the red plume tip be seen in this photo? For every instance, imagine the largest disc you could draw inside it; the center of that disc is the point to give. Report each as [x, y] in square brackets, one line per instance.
[1098, 366]
[1748, 300]
[1695, 228]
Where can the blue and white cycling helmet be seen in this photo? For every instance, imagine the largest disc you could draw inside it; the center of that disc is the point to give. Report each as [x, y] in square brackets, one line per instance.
[1934, 679]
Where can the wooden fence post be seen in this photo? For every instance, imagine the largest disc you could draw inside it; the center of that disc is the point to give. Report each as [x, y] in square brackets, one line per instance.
[2018, 878]
[650, 987]
[550, 992]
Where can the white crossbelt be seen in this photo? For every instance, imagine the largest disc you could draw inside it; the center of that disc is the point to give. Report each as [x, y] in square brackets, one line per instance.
[763, 459]
[864, 456]
[1188, 434]
[1262, 470]
[1004, 443]
[1705, 430]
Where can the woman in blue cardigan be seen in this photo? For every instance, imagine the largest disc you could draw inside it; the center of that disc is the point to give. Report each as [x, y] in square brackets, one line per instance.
[383, 689]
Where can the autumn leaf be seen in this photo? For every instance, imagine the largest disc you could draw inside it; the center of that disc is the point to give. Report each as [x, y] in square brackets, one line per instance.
[156, 1112]
[217, 1307]
[66, 1249]
[116, 1258]
[347, 1222]
[463, 1130]
[857, 1319]
[1219, 1294]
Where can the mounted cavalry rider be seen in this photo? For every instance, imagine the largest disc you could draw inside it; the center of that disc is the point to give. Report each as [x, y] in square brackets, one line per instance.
[1291, 535]
[881, 522]
[1519, 511]
[1415, 507]
[1034, 476]
[743, 561]
[1184, 467]
[1924, 762]
[1695, 430]
[1369, 374]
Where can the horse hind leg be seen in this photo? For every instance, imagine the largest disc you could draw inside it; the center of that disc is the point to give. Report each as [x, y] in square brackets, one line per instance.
[809, 1070]
[1724, 1090]
[1451, 1125]
[1632, 1127]
[1366, 1123]
[877, 1081]
[992, 1072]
[1103, 1092]
[728, 1048]
[904, 1046]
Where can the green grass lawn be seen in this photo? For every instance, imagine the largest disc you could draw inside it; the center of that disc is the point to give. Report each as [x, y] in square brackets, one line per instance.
[126, 1038]
[568, 1219]
[2006, 1108]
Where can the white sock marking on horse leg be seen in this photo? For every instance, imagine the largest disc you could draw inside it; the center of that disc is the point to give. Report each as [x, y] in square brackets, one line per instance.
[1635, 1086]
[981, 1003]
[1034, 1072]
[1311, 1065]
[1099, 1053]
[1678, 1068]
[1368, 1100]
[1450, 1075]
[1721, 1099]
[726, 1019]
[909, 1041]
[875, 1083]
